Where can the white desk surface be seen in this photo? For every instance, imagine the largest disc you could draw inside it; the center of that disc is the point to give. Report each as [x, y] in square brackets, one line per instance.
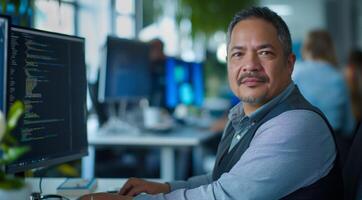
[178, 137]
[49, 185]
[168, 142]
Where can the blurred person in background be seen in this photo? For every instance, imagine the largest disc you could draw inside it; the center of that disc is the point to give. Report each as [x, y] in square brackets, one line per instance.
[322, 84]
[158, 65]
[353, 75]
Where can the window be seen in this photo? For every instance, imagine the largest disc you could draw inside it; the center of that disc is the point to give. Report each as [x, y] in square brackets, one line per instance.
[55, 16]
[124, 18]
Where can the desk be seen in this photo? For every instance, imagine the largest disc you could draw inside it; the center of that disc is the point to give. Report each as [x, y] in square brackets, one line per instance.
[49, 185]
[167, 142]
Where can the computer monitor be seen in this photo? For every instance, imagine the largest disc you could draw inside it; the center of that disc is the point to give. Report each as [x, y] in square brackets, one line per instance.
[126, 74]
[4, 43]
[47, 73]
[184, 83]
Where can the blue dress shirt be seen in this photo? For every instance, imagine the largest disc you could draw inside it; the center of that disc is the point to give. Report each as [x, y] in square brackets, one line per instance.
[288, 152]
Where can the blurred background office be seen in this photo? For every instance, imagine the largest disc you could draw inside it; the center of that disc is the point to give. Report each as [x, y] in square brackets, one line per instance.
[190, 33]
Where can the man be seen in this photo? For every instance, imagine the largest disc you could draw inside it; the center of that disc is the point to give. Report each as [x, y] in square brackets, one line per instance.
[275, 145]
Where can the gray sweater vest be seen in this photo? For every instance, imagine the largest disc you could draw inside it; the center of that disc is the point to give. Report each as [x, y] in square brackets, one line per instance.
[328, 187]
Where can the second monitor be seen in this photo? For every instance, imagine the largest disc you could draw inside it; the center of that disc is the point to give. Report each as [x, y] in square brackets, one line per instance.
[126, 74]
[184, 83]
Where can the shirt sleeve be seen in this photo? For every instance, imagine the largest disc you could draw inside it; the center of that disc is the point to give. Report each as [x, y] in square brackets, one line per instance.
[192, 182]
[290, 151]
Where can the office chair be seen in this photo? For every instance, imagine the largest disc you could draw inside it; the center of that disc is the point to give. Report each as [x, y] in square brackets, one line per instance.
[352, 169]
[98, 107]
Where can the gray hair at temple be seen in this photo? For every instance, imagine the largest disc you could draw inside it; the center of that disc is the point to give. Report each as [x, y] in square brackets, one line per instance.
[269, 16]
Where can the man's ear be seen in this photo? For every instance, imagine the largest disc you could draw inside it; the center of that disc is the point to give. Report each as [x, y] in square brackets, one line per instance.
[291, 62]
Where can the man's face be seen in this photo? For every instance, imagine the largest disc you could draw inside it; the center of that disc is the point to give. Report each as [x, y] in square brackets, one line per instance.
[258, 68]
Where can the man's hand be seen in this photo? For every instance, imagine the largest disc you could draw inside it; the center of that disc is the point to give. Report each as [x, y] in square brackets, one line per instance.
[104, 196]
[135, 186]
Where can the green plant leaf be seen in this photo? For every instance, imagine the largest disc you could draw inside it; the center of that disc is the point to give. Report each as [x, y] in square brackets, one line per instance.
[16, 110]
[4, 5]
[2, 175]
[9, 152]
[209, 16]
[9, 139]
[11, 183]
[13, 153]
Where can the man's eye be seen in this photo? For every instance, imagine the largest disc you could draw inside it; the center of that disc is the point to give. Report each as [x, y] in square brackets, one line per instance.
[236, 54]
[265, 53]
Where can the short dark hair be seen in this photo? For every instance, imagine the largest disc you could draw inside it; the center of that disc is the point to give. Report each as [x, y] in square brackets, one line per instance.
[269, 16]
[157, 41]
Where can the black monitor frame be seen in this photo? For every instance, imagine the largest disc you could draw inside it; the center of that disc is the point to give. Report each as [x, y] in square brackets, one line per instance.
[46, 161]
[6, 63]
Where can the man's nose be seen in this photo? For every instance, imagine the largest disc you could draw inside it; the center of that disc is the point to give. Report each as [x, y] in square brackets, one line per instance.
[251, 62]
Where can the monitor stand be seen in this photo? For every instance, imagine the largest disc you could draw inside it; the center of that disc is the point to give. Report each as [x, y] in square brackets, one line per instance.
[117, 122]
[114, 125]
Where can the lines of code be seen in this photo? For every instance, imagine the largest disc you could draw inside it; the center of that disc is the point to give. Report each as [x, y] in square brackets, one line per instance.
[39, 76]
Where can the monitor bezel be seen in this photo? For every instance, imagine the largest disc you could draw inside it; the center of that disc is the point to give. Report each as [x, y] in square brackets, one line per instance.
[47, 32]
[44, 163]
[7, 62]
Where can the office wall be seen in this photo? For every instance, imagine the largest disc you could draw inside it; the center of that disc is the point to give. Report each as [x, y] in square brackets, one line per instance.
[357, 5]
[342, 19]
[300, 16]
[341, 25]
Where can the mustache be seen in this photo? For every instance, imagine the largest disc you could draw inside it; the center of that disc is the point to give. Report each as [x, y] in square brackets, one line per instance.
[255, 75]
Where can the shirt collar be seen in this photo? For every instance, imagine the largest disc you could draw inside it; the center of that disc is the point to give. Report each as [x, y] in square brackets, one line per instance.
[237, 114]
